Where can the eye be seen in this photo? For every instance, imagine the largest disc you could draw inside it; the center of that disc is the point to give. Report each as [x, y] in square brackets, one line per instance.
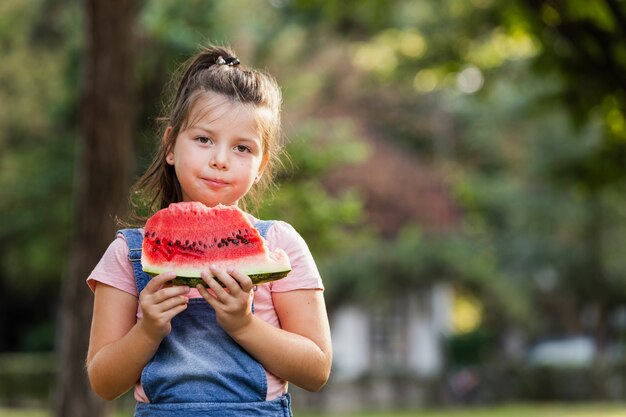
[203, 139]
[242, 148]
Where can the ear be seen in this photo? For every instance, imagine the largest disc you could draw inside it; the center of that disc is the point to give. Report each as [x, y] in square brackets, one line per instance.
[169, 156]
[261, 168]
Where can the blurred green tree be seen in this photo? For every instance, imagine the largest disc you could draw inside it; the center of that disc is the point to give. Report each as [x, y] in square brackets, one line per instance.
[36, 139]
[523, 103]
[103, 156]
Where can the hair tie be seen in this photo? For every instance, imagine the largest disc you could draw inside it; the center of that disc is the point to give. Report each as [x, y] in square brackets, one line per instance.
[230, 61]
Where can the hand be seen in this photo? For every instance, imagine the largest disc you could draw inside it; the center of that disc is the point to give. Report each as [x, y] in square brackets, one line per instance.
[233, 302]
[160, 302]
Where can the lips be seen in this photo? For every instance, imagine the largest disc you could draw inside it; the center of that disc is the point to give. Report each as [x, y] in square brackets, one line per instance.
[215, 182]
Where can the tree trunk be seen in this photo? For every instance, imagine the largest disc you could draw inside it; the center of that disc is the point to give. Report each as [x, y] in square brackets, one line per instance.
[103, 158]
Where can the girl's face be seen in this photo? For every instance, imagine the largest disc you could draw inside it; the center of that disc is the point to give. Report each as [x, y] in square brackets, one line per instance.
[218, 156]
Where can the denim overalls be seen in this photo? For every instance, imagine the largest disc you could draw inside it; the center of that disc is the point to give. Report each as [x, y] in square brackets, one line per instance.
[198, 370]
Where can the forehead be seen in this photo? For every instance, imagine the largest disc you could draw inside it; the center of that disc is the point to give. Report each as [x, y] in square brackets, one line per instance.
[217, 109]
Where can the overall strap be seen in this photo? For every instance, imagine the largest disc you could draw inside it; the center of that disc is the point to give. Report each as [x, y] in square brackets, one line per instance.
[134, 239]
[263, 226]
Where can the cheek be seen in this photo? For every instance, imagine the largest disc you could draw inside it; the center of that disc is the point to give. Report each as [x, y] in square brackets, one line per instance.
[187, 158]
[252, 169]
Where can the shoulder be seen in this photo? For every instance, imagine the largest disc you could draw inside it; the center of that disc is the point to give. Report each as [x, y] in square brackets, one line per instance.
[275, 231]
[117, 250]
[114, 268]
[304, 274]
[280, 234]
[281, 230]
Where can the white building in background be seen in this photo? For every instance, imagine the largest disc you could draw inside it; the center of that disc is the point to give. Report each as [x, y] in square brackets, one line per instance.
[352, 352]
[388, 354]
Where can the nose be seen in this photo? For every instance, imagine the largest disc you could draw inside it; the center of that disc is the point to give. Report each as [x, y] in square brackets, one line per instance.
[219, 158]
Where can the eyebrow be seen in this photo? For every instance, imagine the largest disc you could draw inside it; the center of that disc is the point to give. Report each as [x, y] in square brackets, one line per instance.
[254, 139]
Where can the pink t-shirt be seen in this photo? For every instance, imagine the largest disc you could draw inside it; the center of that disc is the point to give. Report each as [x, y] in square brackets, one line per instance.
[115, 269]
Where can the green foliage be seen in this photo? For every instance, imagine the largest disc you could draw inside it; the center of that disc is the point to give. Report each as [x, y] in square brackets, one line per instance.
[37, 128]
[583, 43]
[322, 145]
[413, 261]
[468, 349]
[36, 142]
[524, 101]
[543, 191]
[328, 223]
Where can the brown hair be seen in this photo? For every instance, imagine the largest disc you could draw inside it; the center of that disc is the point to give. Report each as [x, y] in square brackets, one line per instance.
[213, 70]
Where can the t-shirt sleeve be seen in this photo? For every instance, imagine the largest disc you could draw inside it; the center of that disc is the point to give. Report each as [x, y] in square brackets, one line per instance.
[114, 268]
[304, 273]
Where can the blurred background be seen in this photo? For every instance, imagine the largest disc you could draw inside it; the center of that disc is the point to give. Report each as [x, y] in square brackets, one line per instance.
[457, 168]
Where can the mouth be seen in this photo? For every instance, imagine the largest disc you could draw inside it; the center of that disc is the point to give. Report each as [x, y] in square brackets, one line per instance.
[216, 182]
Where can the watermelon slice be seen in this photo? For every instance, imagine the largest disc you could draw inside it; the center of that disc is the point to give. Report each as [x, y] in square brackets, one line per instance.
[188, 237]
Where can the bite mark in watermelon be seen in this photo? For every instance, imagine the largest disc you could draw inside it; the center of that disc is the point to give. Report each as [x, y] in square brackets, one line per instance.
[188, 237]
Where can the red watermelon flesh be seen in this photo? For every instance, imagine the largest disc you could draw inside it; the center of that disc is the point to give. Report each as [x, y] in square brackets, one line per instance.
[188, 237]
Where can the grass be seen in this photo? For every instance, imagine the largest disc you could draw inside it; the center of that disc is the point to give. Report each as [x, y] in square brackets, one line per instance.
[514, 410]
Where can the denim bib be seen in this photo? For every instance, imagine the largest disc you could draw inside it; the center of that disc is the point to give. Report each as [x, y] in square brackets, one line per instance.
[198, 369]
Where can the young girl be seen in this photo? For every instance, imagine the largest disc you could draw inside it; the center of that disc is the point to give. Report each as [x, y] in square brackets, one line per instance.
[222, 351]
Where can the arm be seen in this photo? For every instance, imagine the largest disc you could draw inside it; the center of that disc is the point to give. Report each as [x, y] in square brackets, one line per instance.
[299, 352]
[119, 346]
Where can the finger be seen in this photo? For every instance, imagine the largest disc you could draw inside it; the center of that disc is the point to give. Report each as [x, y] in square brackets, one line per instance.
[244, 281]
[163, 294]
[220, 292]
[159, 280]
[207, 295]
[169, 292]
[174, 311]
[172, 302]
[224, 277]
[153, 305]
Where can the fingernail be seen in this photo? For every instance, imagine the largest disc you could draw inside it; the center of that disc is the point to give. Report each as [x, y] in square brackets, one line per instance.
[186, 288]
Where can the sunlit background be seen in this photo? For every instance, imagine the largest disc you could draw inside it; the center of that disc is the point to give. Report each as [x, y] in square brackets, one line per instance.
[457, 168]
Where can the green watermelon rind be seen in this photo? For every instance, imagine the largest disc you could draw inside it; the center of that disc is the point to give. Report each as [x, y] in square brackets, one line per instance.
[257, 279]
